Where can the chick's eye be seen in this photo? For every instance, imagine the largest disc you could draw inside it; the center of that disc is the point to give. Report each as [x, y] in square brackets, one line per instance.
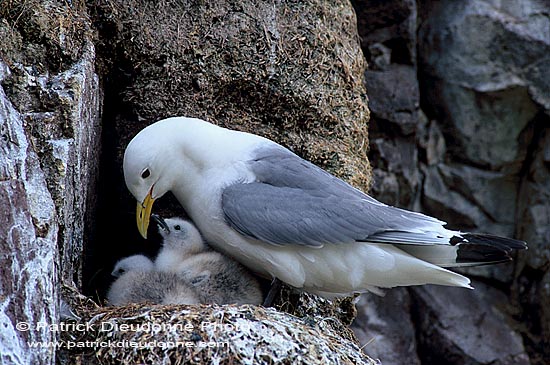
[145, 174]
[177, 227]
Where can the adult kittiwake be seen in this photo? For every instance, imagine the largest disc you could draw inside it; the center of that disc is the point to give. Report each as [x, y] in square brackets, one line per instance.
[285, 218]
[216, 278]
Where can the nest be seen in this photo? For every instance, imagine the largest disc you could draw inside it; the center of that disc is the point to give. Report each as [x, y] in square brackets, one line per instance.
[208, 334]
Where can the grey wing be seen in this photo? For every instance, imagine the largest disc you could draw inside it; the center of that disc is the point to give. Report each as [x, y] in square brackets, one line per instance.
[296, 202]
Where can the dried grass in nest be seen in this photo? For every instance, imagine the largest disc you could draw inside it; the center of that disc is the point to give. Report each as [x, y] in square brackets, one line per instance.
[208, 334]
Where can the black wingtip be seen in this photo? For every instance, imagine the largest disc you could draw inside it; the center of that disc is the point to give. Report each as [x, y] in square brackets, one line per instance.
[481, 248]
[507, 244]
[481, 254]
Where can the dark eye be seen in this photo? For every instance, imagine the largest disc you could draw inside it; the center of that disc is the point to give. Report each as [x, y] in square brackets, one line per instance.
[145, 174]
[177, 227]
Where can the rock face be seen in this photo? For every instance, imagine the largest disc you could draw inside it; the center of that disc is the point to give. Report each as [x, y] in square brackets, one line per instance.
[28, 251]
[292, 72]
[459, 130]
[475, 316]
[384, 327]
[49, 123]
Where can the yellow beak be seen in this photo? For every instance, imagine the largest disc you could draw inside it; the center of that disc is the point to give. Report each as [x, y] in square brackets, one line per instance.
[143, 213]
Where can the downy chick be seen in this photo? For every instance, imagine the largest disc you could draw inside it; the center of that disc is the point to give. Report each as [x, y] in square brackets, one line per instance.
[215, 277]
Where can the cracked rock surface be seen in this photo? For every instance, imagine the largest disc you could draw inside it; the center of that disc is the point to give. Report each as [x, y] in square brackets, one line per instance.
[459, 129]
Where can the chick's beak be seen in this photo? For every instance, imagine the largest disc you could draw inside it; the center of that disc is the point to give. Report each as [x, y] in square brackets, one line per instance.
[143, 213]
[161, 222]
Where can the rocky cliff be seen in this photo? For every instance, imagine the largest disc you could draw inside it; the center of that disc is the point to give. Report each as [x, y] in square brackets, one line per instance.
[459, 98]
[50, 106]
[78, 80]
[459, 102]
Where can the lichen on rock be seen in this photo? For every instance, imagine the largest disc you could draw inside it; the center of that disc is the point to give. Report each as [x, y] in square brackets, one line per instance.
[49, 118]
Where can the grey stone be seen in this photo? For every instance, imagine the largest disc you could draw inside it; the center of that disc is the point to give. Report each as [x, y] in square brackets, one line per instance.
[380, 56]
[49, 127]
[469, 198]
[487, 129]
[543, 301]
[483, 70]
[533, 288]
[385, 186]
[534, 206]
[388, 37]
[395, 178]
[495, 193]
[392, 23]
[446, 201]
[28, 252]
[482, 153]
[67, 137]
[384, 327]
[511, 51]
[431, 140]
[394, 107]
[449, 205]
[394, 97]
[459, 326]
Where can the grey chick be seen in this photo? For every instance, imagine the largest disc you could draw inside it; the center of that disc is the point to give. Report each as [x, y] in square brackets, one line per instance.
[138, 282]
[216, 278]
[132, 263]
